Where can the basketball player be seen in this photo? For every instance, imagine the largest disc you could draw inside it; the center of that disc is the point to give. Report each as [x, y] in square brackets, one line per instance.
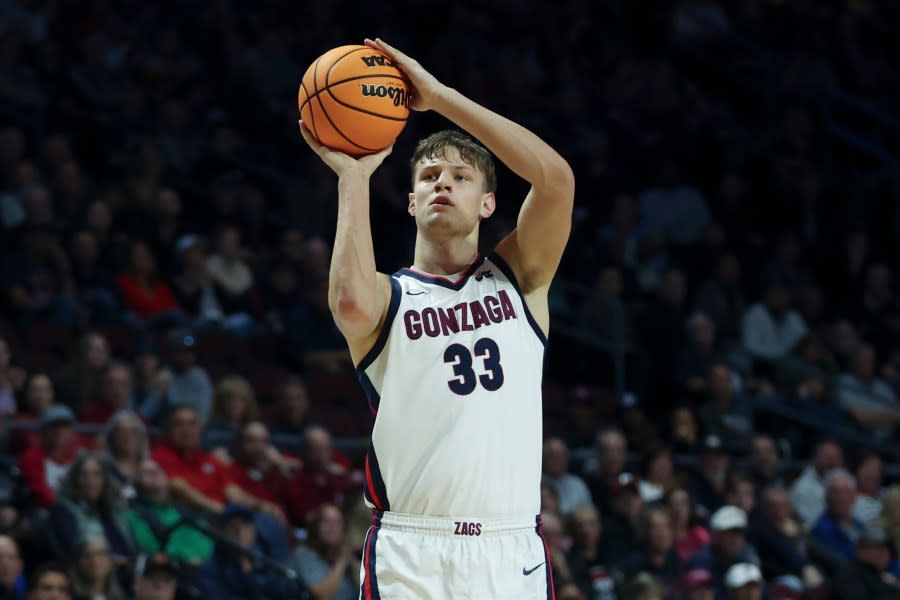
[450, 353]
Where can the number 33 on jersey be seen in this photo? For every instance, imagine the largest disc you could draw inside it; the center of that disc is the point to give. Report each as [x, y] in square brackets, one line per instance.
[455, 382]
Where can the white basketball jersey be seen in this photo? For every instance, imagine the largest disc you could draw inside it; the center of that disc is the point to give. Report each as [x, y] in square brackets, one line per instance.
[455, 382]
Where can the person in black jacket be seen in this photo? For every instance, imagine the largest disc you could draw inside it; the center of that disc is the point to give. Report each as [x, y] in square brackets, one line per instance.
[231, 573]
[867, 577]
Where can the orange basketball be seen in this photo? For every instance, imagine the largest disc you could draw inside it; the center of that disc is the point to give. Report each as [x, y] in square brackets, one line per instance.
[353, 99]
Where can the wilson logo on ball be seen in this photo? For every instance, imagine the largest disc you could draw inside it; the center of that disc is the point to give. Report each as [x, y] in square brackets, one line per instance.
[377, 61]
[397, 94]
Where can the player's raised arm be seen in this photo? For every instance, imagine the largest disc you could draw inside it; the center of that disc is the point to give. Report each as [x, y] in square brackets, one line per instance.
[535, 248]
[357, 294]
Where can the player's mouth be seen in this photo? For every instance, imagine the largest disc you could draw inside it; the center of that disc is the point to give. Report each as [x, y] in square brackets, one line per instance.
[441, 200]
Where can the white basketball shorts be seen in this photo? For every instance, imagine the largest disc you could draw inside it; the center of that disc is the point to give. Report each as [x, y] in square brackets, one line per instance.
[409, 557]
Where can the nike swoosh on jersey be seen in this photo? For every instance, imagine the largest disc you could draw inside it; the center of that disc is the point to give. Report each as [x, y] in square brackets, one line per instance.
[418, 293]
[527, 572]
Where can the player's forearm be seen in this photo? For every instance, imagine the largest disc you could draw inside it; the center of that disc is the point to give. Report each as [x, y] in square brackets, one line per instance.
[352, 282]
[527, 155]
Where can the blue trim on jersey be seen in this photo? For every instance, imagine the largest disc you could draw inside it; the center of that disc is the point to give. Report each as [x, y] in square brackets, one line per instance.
[368, 587]
[369, 390]
[377, 496]
[372, 354]
[443, 281]
[498, 260]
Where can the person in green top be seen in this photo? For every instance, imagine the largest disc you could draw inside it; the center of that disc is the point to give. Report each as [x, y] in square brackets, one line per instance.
[152, 515]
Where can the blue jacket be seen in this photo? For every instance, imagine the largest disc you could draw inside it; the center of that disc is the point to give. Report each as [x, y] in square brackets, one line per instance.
[833, 536]
[220, 577]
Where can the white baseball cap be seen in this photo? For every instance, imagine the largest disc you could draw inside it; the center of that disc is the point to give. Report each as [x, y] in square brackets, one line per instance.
[727, 518]
[741, 574]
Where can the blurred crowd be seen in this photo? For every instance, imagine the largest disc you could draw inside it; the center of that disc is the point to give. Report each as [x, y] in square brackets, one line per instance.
[180, 414]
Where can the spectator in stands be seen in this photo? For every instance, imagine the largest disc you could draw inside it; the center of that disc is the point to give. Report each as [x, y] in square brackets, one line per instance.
[144, 292]
[230, 573]
[196, 477]
[291, 410]
[149, 379]
[843, 342]
[644, 587]
[695, 584]
[90, 505]
[44, 466]
[549, 499]
[125, 446]
[94, 285]
[764, 462]
[186, 382]
[602, 473]
[744, 581]
[688, 533]
[879, 309]
[50, 582]
[230, 270]
[807, 371]
[808, 490]
[780, 540]
[11, 380]
[684, 434]
[741, 492]
[79, 382]
[234, 405]
[155, 578]
[866, 577]
[869, 472]
[93, 575]
[621, 524]
[114, 394]
[571, 489]
[38, 396]
[557, 543]
[770, 327]
[837, 529]
[12, 581]
[707, 483]
[254, 471]
[36, 280]
[657, 555]
[325, 562]
[698, 354]
[319, 481]
[722, 297]
[153, 520]
[657, 474]
[727, 547]
[867, 398]
[194, 288]
[590, 566]
[726, 413]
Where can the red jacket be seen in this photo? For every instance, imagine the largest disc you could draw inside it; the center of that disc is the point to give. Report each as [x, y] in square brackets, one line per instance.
[33, 468]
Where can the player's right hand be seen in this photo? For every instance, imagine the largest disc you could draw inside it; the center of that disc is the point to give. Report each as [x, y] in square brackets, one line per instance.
[426, 87]
[341, 163]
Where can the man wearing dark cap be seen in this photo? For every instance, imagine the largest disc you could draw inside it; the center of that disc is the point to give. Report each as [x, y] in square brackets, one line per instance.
[187, 382]
[231, 573]
[44, 466]
[867, 577]
[708, 481]
[155, 578]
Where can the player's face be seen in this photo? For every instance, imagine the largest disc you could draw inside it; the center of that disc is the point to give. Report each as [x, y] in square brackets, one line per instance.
[448, 198]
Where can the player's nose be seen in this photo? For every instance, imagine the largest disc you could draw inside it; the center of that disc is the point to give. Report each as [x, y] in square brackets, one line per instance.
[442, 182]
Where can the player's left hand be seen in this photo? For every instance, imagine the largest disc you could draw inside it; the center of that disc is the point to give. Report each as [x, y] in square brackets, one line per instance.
[426, 87]
[341, 163]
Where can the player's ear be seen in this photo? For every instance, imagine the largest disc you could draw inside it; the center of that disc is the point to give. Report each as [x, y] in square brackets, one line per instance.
[411, 208]
[488, 205]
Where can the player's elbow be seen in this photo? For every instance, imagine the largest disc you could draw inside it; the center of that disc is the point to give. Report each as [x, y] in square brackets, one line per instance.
[558, 178]
[353, 315]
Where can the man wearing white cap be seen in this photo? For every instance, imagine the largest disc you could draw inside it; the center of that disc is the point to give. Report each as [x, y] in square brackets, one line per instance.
[744, 581]
[728, 546]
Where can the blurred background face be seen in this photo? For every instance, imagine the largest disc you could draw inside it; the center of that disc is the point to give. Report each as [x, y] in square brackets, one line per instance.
[90, 480]
[10, 562]
[612, 452]
[556, 457]
[94, 561]
[254, 444]
[661, 468]
[117, 387]
[126, 438]
[828, 456]
[152, 479]
[158, 585]
[184, 430]
[839, 497]
[728, 544]
[764, 456]
[241, 531]
[777, 505]
[659, 532]
[719, 382]
[39, 394]
[869, 474]
[680, 507]
[743, 495]
[586, 526]
[96, 351]
[51, 586]
[331, 527]
[294, 403]
[318, 449]
[59, 435]
[752, 591]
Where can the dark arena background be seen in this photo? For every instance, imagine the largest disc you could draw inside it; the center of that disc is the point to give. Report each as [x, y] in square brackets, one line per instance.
[722, 378]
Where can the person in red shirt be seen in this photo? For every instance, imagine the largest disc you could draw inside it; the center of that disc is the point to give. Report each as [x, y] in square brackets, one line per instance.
[114, 394]
[44, 466]
[196, 477]
[255, 472]
[321, 479]
[141, 287]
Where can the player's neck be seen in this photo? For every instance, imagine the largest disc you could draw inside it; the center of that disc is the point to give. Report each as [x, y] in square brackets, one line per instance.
[444, 258]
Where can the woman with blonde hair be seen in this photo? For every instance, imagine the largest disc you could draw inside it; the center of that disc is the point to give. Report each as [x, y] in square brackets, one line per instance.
[93, 572]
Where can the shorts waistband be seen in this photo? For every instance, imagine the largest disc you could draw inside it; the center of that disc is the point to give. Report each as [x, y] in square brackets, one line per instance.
[454, 526]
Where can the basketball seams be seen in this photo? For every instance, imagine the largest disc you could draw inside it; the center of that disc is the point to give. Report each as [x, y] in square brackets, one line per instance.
[316, 94]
